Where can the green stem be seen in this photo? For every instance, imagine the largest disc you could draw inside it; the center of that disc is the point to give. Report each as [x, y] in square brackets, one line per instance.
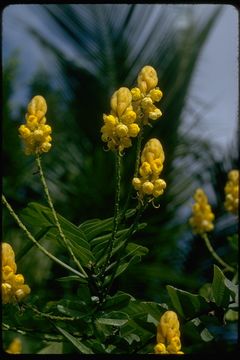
[30, 236]
[215, 255]
[38, 159]
[128, 235]
[49, 316]
[116, 212]
[32, 332]
[138, 157]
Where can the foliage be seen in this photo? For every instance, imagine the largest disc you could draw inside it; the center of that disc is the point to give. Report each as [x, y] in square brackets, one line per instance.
[106, 57]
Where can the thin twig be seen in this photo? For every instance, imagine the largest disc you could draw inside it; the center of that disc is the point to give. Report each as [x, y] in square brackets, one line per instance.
[215, 255]
[38, 159]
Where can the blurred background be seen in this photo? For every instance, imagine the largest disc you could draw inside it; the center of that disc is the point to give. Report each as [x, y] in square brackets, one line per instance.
[76, 56]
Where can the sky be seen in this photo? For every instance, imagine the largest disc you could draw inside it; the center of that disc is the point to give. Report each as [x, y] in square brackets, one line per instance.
[215, 81]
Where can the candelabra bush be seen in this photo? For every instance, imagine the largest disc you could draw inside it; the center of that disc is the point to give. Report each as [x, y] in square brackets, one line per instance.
[98, 319]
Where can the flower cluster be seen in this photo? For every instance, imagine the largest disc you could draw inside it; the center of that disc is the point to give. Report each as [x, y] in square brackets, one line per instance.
[13, 287]
[15, 347]
[202, 218]
[120, 126]
[152, 159]
[168, 334]
[232, 192]
[36, 133]
[146, 94]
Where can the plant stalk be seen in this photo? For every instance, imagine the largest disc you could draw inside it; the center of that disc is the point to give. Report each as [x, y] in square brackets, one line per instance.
[215, 255]
[38, 159]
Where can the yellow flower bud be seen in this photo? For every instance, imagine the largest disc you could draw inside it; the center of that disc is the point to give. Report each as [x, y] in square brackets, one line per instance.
[121, 100]
[160, 348]
[136, 94]
[174, 346]
[156, 94]
[147, 79]
[37, 106]
[147, 187]
[136, 182]
[45, 147]
[154, 115]
[122, 130]
[19, 279]
[109, 120]
[129, 117]
[145, 169]
[24, 131]
[133, 130]
[38, 135]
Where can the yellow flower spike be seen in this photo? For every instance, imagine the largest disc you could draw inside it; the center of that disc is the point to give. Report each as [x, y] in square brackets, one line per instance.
[121, 100]
[147, 79]
[152, 159]
[168, 334]
[37, 106]
[13, 287]
[15, 347]
[231, 190]
[35, 133]
[202, 215]
[119, 127]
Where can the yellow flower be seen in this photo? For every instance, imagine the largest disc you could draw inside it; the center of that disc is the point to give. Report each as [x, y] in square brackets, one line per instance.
[145, 95]
[15, 347]
[232, 192]
[13, 287]
[202, 218]
[119, 127]
[168, 334]
[152, 159]
[35, 133]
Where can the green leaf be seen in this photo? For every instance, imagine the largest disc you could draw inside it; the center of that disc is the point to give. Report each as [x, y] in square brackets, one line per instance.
[94, 227]
[233, 240]
[117, 301]
[41, 216]
[207, 292]
[186, 304]
[114, 318]
[76, 342]
[231, 315]
[72, 278]
[77, 309]
[52, 348]
[221, 291]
